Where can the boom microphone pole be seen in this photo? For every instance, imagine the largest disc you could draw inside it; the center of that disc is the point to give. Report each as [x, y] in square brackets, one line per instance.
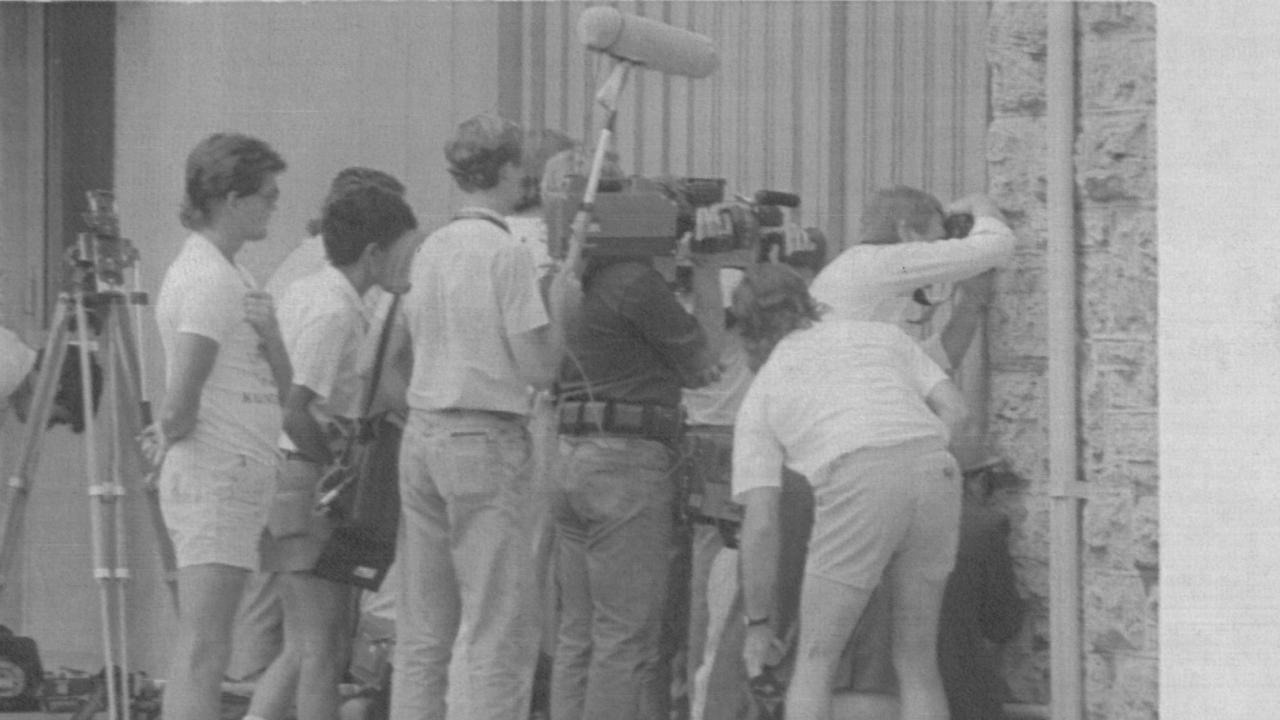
[632, 41]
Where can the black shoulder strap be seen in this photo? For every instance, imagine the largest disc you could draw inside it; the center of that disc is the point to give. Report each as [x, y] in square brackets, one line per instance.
[380, 356]
[473, 215]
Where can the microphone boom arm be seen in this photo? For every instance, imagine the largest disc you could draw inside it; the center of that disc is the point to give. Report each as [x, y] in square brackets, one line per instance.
[607, 96]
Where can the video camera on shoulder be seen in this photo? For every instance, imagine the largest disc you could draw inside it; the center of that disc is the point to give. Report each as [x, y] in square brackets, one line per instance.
[632, 217]
[640, 216]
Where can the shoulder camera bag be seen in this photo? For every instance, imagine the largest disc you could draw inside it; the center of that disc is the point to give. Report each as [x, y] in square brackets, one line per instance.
[367, 507]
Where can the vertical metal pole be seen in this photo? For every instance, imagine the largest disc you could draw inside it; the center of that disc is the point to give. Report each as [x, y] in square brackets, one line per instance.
[1067, 492]
[101, 568]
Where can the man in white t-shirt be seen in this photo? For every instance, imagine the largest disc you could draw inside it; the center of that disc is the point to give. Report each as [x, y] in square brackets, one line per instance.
[481, 339]
[861, 411]
[226, 371]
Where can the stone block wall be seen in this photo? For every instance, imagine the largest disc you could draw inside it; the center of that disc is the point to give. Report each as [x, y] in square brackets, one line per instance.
[1116, 265]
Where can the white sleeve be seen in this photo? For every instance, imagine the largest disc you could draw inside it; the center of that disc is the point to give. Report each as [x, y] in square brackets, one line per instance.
[906, 266]
[16, 361]
[757, 453]
[315, 350]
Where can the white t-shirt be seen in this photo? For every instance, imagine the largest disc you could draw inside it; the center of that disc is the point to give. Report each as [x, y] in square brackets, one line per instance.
[829, 390]
[203, 294]
[324, 322]
[308, 258]
[304, 260]
[876, 282]
[474, 287]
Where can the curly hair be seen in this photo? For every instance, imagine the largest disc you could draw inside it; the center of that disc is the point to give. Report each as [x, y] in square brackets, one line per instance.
[482, 146]
[366, 215]
[224, 164]
[352, 178]
[769, 303]
[887, 207]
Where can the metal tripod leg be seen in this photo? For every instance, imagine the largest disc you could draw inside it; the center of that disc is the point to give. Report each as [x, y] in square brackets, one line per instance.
[97, 489]
[127, 418]
[20, 475]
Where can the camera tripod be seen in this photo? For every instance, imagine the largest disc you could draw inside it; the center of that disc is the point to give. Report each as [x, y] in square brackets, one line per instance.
[98, 264]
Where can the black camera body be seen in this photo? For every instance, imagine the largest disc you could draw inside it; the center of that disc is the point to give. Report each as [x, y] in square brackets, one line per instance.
[957, 225]
[632, 217]
[647, 217]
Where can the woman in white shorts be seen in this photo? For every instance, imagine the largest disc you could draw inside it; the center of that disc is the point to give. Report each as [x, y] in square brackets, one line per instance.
[369, 238]
[860, 410]
[225, 374]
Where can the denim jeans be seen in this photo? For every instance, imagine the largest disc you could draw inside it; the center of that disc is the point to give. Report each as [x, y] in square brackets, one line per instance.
[614, 522]
[465, 560]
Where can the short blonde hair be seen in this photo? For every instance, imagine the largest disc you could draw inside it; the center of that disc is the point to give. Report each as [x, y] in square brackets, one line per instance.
[480, 148]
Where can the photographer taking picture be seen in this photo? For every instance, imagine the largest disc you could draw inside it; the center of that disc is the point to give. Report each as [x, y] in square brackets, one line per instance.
[906, 259]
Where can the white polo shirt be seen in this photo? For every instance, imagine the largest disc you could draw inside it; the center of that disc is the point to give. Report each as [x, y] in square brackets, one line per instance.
[829, 390]
[324, 323]
[474, 287]
[876, 282]
[203, 294]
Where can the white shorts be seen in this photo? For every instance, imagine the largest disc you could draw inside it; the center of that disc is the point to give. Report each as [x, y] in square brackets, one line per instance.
[883, 505]
[215, 504]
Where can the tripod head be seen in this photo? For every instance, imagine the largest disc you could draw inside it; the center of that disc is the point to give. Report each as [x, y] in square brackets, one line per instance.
[101, 257]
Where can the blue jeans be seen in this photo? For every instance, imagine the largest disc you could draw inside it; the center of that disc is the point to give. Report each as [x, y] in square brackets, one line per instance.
[614, 523]
[465, 558]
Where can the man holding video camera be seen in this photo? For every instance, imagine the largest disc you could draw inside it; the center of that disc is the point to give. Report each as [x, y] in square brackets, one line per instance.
[630, 349]
[910, 251]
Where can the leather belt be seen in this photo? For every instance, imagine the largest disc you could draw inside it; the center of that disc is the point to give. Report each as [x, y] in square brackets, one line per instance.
[609, 417]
